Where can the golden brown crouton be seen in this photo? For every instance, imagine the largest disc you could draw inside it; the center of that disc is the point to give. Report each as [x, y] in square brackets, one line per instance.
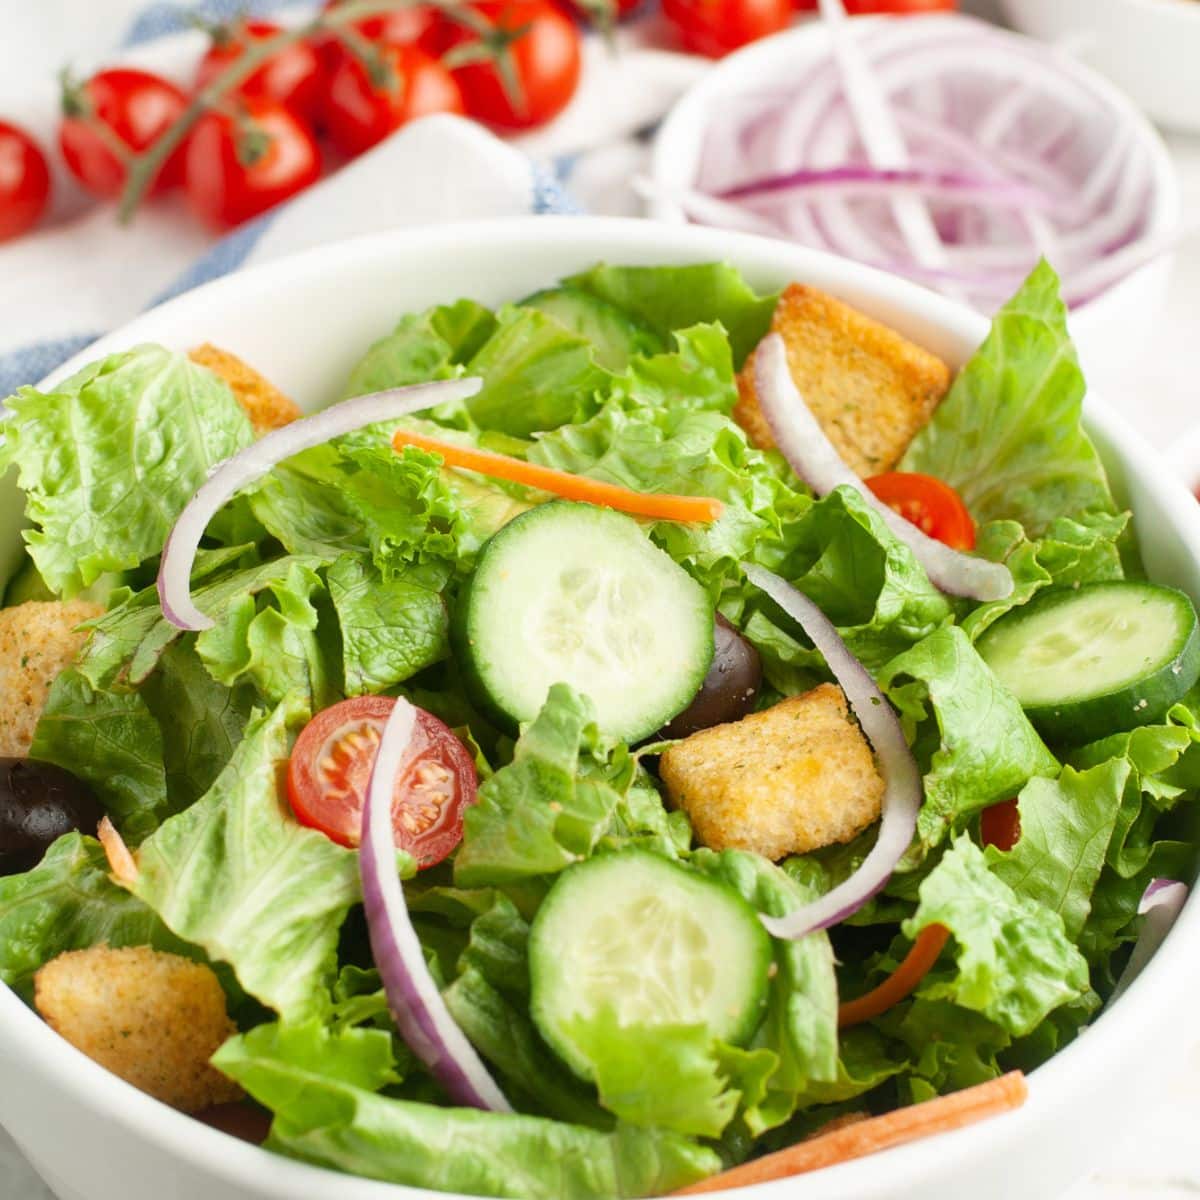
[154, 1019]
[787, 780]
[37, 640]
[266, 406]
[870, 388]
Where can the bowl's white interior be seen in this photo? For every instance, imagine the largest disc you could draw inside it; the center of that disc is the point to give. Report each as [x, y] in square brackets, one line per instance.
[304, 321]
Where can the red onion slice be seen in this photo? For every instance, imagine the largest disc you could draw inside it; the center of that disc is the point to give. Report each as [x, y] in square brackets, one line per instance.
[1160, 904]
[416, 1004]
[802, 441]
[229, 477]
[901, 775]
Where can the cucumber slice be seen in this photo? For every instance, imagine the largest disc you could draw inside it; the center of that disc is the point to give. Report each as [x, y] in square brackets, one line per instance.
[649, 941]
[571, 593]
[1089, 661]
[614, 334]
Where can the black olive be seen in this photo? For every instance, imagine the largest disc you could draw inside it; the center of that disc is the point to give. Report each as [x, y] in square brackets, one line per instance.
[38, 804]
[729, 689]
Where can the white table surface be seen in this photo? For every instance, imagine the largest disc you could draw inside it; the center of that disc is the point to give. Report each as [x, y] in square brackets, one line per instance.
[1159, 1159]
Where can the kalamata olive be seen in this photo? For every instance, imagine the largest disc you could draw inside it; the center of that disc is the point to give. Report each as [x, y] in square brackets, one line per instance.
[729, 689]
[38, 804]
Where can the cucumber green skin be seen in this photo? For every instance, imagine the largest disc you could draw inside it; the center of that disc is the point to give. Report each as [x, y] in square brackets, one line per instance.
[615, 336]
[469, 653]
[543, 955]
[1073, 722]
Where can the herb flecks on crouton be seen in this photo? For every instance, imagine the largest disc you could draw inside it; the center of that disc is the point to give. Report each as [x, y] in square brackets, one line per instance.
[870, 388]
[266, 406]
[154, 1019]
[790, 779]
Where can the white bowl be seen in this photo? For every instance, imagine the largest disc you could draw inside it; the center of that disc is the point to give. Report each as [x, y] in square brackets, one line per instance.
[1149, 48]
[1109, 332]
[304, 321]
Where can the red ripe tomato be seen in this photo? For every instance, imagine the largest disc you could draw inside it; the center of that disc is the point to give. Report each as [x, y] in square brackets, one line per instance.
[330, 768]
[24, 181]
[715, 27]
[1000, 825]
[934, 507]
[294, 76]
[134, 107]
[546, 58]
[903, 7]
[244, 161]
[398, 27]
[361, 111]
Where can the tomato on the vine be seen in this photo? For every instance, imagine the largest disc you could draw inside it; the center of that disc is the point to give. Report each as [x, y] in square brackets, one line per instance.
[544, 46]
[294, 76]
[114, 115]
[400, 26]
[246, 159]
[902, 7]
[365, 102]
[331, 764]
[934, 507]
[24, 181]
[716, 27]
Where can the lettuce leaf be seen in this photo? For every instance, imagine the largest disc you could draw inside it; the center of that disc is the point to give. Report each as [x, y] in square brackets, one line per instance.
[697, 373]
[1009, 436]
[109, 459]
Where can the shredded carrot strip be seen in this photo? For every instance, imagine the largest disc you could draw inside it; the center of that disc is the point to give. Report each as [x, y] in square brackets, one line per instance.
[940, 1115]
[900, 983]
[124, 868]
[663, 507]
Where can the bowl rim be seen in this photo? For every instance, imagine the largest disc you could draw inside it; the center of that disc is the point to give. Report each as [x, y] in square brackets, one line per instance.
[689, 111]
[1085, 1064]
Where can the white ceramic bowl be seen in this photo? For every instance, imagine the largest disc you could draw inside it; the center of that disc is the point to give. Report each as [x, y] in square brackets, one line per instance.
[1149, 48]
[304, 321]
[1109, 332]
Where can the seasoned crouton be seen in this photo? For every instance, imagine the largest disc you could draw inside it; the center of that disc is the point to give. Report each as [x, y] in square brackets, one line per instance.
[870, 388]
[266, 406]
[154, 1019]
[790, 779]
[37, 640]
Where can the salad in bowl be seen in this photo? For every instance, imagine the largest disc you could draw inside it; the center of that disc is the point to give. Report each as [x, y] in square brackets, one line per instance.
[650, 735]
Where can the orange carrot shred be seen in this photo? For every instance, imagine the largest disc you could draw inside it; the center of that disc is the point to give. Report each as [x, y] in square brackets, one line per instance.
[124, 868]
[940, 1115]
[661, 506]
[901, 983]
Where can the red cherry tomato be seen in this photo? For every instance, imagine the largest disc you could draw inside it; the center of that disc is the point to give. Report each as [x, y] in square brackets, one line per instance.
[243, 161]
[135, 107]
[24, 181]
[932, 506]
[361, 111]
[715, 27]
[293, 76]
[546, 58]
[1000, 825]
[331, 765]
[862, 7]
[400, 26]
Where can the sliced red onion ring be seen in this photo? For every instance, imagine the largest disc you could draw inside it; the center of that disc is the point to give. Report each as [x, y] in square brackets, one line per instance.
[901, 775]
[1160, 904]
[229, 477]
[416, 1004]
[802, 441]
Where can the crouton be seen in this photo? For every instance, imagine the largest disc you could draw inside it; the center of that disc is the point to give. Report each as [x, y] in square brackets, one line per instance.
[266, 406]
[790, 779]
[870, 388]
[37, 640]
[154, 1019]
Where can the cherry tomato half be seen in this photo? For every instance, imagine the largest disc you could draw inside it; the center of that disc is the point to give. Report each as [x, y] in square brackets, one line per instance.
[294, 76]
[24, 181]
[331, 765]
[361, 111]
[902, 7]
[716, 27]
[546, 57]
[248, 159]
[1000, 825]
[135, 107]
[934, 507]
